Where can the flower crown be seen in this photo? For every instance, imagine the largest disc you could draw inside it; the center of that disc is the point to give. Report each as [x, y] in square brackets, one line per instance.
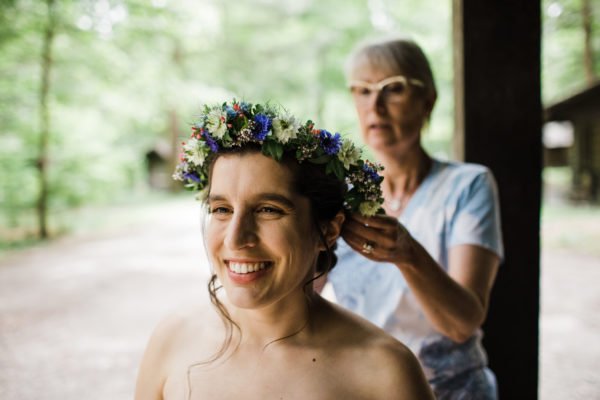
[277, 132]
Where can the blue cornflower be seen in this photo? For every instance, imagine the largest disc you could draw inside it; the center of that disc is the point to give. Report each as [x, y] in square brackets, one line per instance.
[192, 176]
[231, 113]
[371, 173]
[245, 107]
[212, 144]
[262, 126]
[331, 144]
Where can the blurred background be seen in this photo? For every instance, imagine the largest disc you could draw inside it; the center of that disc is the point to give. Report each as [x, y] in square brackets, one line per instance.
[96, 95]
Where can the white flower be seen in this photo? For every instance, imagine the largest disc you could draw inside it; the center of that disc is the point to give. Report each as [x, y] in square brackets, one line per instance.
[368, 208]
[202, 195]
[215, 122]
[285, 128]
[178, 174]
[349, 154]
[195, 151]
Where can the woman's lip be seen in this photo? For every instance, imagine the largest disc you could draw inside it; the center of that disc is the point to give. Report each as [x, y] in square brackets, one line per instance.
[245, 260]
[248, 277]
[379, 126]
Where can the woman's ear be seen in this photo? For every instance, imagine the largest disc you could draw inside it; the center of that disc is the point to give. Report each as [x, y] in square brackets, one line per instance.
[333, 228]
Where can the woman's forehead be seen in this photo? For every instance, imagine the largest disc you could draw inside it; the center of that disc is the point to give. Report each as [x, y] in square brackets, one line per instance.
[366, 67]
[250, 172]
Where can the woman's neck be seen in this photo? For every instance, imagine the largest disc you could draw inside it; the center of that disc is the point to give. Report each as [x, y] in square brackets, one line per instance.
[263, 326]
[403, 175]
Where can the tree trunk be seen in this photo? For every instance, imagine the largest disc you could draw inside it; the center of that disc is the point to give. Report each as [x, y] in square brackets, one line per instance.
[175, 148]
[588, 51]
[44, 115]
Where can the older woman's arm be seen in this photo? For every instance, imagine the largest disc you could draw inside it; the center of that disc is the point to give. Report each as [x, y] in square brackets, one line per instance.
[456, 302]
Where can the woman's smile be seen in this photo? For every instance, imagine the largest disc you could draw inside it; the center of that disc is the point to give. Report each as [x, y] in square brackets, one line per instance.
[244, 272]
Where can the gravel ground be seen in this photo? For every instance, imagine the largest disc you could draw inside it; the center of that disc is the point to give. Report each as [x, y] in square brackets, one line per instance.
[75, 315]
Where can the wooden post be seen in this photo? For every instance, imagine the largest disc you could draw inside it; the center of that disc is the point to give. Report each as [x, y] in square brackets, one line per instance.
[498, 122]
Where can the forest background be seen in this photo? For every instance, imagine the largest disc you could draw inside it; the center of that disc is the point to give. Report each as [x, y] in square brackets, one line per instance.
[89, 87]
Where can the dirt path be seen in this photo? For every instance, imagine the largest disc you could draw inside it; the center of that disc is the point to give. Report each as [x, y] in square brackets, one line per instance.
[570, 327]
[75, 315]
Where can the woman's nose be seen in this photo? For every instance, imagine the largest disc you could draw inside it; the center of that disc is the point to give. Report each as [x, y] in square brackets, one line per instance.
[377, 102]
[241, 231]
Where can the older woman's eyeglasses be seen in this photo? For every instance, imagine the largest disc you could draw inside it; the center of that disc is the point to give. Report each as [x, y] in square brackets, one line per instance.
[392, 89]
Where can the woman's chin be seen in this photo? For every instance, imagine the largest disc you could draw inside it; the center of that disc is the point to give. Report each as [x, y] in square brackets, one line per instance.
[381, 142]
[243, 298]
[393, 146]
[390, 147]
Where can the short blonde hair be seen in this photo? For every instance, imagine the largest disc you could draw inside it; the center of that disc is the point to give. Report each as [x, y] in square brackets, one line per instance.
[396, 56]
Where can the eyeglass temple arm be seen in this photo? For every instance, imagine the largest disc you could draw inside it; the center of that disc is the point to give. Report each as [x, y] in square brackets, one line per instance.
[380, 85]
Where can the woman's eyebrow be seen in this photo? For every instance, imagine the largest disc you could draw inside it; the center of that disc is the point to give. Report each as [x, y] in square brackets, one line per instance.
[276, 197]
[215, 197]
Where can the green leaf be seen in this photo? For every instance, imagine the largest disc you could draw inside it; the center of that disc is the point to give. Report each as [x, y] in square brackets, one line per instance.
[320, 160]
[272, 149]
[278, 150]
[329, 168]
[338, 168]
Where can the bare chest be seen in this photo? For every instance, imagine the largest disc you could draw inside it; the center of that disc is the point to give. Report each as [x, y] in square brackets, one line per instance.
[289, 379]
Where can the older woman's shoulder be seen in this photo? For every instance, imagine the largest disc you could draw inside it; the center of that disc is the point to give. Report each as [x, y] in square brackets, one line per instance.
[454, 178]
[457, 169]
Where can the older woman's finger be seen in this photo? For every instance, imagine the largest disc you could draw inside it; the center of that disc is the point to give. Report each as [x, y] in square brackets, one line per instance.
[359, 233]
[361, 244]
[362, 229]
[354, 239]
[384, 223]
[371, 250]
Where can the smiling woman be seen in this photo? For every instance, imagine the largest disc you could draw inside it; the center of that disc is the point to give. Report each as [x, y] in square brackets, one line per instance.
[276, 203]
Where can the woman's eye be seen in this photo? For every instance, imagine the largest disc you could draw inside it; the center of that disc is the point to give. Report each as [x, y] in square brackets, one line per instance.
[219, 210]
[361, 91]
[395, 88]
[269, 210]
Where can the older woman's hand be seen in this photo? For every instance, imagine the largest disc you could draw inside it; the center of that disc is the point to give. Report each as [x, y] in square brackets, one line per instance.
[379, 238]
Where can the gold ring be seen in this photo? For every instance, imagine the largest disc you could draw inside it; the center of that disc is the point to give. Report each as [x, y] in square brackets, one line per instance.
[367, 247]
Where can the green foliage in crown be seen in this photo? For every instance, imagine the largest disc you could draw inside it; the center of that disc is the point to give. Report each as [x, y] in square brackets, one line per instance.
[238, 124]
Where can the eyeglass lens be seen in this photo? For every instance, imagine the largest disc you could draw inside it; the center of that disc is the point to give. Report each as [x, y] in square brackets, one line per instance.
[392, 92]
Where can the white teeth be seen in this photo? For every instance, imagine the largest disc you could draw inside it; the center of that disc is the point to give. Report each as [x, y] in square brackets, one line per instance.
[244, 268]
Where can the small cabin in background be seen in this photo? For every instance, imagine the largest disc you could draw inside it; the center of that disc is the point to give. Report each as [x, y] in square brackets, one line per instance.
[159, 166]
[572, 138]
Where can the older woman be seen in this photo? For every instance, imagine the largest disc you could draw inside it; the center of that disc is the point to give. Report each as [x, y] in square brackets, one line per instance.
[424, 271]
[275, 191]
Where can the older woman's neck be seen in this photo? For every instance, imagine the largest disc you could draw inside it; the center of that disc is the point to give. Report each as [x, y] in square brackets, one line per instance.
[404, 173]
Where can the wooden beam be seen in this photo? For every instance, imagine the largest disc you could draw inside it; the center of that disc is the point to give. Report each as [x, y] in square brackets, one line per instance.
[498, 122]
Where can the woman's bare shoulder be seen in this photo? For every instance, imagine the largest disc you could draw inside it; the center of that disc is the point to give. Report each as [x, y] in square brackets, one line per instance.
[395, 371]
[186, 328]
[377, 362]
[350, 326]
[179, 339]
